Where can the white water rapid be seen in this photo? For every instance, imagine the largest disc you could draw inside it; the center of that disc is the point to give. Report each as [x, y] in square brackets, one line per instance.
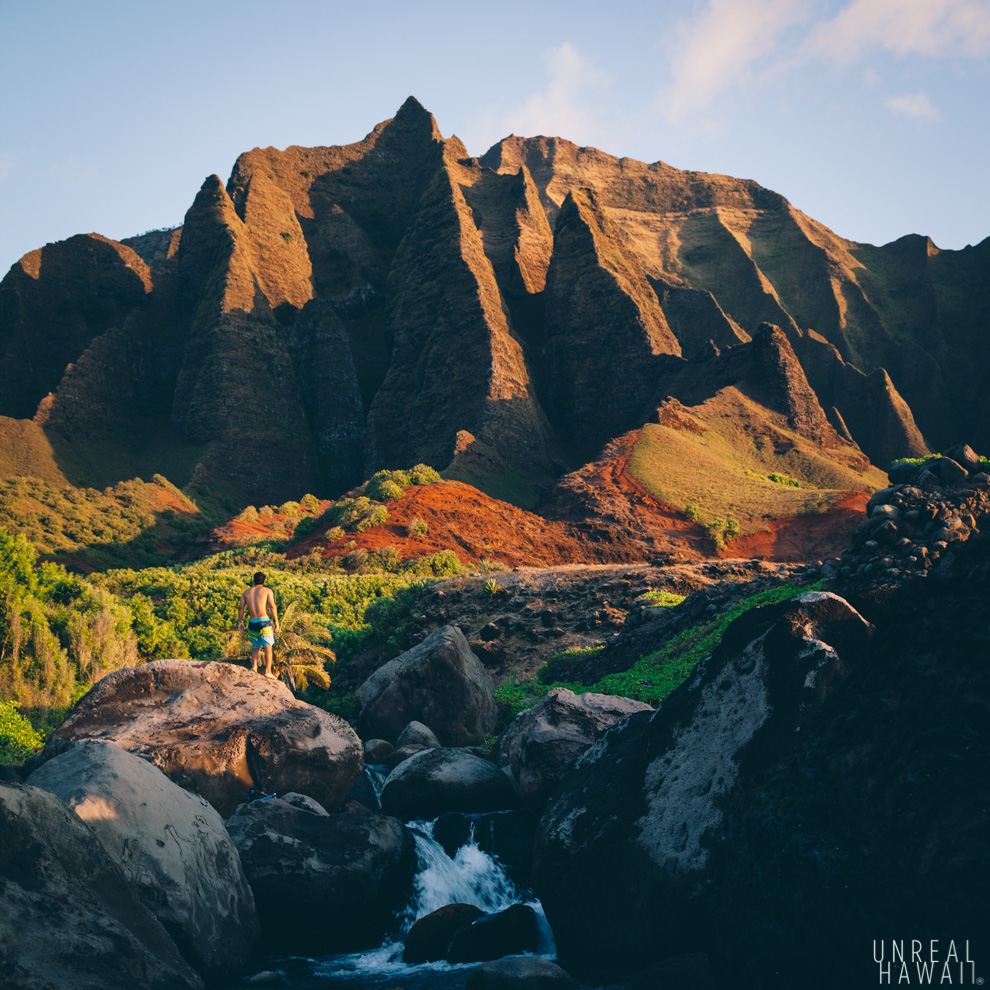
[471, 877]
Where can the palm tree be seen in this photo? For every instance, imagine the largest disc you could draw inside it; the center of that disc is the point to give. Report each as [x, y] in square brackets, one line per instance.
[298, 658]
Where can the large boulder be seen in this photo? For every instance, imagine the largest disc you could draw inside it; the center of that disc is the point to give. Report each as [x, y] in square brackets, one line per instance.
[68, 918]
[322, 882]
[441, 683]
[542, 743]
[438, 780]
[171, 845]
[429, 938]
[218, 730]
[650, 846]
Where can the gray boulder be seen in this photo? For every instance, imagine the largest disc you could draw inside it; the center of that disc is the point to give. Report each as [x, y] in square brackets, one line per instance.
[172, 847]
[441, 683]
[218, 730]
[415, 734]
[323, 883]
[511, 932]
[542, 743]
[68, 918]
[438, 780]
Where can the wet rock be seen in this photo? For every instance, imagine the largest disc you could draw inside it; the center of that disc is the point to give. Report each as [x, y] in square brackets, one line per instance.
[521, 973]
[438, 780]
[441, 683]
[172, 847]
[505, 835]
[323, 882]
[377, 750]
[218, 730]
[429, 938]
[515, 930]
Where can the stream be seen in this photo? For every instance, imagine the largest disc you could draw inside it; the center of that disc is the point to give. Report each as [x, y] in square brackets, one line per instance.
[472, 876]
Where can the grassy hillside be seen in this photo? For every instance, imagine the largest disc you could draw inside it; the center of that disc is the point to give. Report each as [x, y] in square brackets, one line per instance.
[732, 463]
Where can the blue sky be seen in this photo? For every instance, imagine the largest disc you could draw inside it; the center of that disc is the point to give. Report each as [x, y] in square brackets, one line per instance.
[872, 116]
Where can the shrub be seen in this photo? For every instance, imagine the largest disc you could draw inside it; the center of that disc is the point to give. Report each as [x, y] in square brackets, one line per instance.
[492, 588]
[486, 566]
[423, 474]
[358, 514]
[248, 514]
[290, 509]
[18, 739]
[417, 527]
[305, 526]
[266, 511]
[692, 512]
[309, 502]
[332, 534]
[385, 485]
[385, 558]
[354, 559]
[783, 479]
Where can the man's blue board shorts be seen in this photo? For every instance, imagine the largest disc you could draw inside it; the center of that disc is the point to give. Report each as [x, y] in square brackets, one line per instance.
[260, 633]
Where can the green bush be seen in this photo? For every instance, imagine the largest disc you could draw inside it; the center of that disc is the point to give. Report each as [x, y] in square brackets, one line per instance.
[18, 738]
[417, 527]
[692, 512]
[290, 509]
[385, 558]
[423, 474]
[783, 479]
[309, 502]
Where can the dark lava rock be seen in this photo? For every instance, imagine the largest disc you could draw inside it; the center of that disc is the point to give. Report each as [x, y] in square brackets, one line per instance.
[803, 793]
[429, 938]
[438, 780]
[515, 930]
[323, 882]
[440, 683]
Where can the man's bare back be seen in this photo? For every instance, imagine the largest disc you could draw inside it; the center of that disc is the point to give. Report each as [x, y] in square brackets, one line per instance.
[260, 602]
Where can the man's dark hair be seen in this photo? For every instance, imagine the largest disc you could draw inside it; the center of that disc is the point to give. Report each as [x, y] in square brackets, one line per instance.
[259, 577]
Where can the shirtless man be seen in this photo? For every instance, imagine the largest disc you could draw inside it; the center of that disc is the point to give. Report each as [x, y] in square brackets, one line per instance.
[260, 603]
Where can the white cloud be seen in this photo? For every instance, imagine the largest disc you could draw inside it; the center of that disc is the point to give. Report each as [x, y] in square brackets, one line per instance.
[915, 105]
[739, 43]
[933, 28]
[722, 48]
[7, 164]
[564, 107]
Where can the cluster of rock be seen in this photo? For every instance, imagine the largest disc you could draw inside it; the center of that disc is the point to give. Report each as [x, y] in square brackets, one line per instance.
[912, 526]
[152, 814]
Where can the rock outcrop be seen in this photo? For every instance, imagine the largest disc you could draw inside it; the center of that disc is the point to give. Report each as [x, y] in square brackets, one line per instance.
[542, 743]
[440, 683]
[218, 730]
[52, 866]
[171, 846]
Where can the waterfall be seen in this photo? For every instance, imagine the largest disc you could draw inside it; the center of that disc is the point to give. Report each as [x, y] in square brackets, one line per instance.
[471, 877]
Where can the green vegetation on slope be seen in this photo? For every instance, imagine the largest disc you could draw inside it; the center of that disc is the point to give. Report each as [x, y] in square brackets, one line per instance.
[133, 523]
[732, 477]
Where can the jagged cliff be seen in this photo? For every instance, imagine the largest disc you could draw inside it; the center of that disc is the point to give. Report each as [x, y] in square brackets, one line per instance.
[334, 310]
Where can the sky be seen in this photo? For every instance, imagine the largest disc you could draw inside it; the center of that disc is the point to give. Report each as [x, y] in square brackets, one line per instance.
[872, 116]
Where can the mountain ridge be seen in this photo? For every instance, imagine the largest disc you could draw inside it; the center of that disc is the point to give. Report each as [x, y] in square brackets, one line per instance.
[453, 303]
